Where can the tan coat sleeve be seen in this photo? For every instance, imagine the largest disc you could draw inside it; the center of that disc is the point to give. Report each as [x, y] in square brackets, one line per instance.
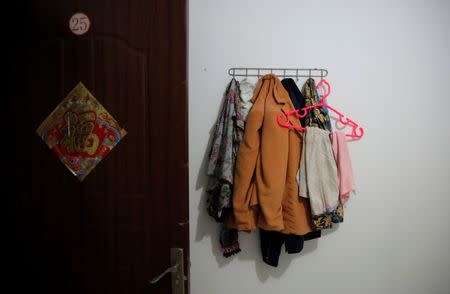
[270, 175]
[246, 161]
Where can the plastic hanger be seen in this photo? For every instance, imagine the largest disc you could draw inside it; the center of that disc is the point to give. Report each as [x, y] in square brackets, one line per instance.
[322, 83]
[283, 118]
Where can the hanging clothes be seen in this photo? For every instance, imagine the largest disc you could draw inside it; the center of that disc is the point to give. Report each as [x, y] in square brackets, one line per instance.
[265, 192]
[318, 117]
[220, 168]
[246, 94]
[318, 172]
[227, 136]
[307, 98]
[229, 240]
[294, 92]
[272, 241]
[287, 183]
[344, 165]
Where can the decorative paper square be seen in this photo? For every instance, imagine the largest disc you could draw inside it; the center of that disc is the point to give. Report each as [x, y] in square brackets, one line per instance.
[80, 131]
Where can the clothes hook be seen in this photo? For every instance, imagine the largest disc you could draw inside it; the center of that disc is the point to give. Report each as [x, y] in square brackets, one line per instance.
[258, 73]
[284, 73]
[296, 74]
[234, 73]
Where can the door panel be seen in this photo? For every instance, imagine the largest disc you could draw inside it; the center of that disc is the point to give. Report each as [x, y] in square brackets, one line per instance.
[112, 232]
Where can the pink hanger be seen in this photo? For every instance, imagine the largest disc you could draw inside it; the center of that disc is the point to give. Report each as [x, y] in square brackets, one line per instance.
[328, 90]
[283, 118]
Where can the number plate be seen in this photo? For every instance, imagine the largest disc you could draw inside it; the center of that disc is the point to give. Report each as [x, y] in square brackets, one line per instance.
[79, 23]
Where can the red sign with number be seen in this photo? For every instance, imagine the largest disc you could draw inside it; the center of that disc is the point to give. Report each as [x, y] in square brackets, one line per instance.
[79, 23]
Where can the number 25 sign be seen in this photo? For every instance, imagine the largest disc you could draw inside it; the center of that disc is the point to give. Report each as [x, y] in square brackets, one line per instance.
[79, 23]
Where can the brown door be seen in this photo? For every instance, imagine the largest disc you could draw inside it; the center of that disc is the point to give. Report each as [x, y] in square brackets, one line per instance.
[112, 232]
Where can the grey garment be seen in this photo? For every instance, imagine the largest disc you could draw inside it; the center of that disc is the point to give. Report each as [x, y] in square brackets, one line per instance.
[228, 133]
[246, 89]
[317, 176]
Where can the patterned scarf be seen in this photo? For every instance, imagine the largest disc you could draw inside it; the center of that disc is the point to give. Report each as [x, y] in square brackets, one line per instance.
[317, 117]
[228, 134]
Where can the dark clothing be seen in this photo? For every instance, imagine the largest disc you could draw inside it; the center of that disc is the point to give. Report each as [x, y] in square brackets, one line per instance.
[229, 241]
[294, 92]
[272, 241]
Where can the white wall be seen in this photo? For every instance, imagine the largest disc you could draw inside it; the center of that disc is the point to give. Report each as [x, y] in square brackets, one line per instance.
[389, 66]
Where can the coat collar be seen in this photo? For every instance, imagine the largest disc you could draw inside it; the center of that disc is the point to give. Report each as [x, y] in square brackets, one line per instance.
[281, 96]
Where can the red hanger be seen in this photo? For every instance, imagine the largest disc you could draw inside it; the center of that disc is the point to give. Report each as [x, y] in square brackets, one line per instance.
[283, 118]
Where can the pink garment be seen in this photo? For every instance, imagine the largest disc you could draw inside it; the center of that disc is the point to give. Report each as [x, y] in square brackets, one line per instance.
[344, 165]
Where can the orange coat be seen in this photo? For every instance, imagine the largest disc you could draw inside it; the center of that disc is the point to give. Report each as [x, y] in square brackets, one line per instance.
[265, 193]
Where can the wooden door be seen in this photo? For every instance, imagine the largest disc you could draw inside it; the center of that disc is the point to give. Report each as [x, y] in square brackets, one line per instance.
[112, 232]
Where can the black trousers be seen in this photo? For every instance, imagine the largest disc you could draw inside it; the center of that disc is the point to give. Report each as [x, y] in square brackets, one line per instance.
[272, 241]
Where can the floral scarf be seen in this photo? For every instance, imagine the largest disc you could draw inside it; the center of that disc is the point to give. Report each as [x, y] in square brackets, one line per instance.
[228, 134]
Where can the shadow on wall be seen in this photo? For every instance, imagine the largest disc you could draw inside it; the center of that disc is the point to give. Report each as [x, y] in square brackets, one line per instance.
[207, 227]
